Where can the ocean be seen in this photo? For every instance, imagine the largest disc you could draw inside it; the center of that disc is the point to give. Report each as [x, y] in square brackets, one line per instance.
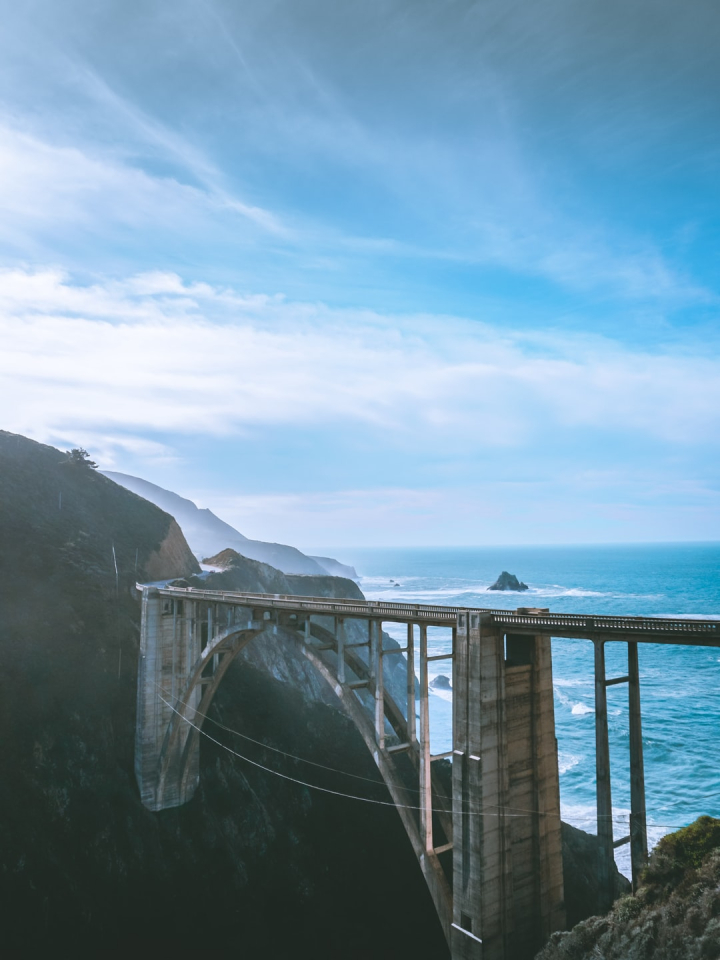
[680, 686]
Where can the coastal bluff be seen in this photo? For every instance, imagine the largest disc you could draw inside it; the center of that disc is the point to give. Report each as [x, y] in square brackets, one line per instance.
[81, 861]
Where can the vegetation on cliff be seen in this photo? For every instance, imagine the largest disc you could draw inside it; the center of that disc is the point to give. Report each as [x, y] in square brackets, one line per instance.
[675, 914]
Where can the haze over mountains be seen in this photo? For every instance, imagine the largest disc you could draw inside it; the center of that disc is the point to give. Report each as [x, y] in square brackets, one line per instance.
[208, 534]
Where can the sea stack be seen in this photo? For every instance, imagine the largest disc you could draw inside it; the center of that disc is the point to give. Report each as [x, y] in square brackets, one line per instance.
[508, 581]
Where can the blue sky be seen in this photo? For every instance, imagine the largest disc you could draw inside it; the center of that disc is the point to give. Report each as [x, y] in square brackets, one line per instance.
[384, 273]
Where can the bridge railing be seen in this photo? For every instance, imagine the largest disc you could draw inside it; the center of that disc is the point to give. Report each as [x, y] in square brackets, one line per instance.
[644, 629]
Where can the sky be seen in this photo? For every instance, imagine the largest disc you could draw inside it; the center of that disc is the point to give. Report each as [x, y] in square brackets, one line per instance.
[405, 272]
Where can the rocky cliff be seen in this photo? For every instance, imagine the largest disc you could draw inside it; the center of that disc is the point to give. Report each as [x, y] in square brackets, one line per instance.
[207, 533]
[254, 864]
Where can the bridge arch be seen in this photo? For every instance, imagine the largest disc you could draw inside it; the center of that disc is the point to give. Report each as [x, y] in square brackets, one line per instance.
[183, 701]
[178, 761]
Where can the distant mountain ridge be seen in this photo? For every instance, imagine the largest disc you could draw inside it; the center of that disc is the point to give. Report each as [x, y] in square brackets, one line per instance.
[208, 534]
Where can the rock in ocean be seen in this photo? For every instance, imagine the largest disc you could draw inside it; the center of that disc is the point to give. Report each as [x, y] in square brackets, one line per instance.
[508, 581]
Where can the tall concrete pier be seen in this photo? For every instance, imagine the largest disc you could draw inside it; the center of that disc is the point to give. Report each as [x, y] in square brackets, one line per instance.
[491, 855]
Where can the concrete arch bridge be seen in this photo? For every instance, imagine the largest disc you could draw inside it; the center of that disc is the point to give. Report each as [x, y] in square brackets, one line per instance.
[491, 855]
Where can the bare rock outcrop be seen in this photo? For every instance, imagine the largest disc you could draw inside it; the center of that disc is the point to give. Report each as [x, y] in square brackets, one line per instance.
[508, 581]
[173, 558]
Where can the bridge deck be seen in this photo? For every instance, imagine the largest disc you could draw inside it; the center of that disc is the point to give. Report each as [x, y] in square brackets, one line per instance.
[704, 633]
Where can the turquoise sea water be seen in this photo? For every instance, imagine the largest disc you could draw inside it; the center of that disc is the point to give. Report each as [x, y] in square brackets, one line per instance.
[680, 686]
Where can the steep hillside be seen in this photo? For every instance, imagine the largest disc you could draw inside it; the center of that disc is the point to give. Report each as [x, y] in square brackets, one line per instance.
[335, 568]
[207, 534]
[60, 517]
[236, 569]
[675, 915]
[254, 864]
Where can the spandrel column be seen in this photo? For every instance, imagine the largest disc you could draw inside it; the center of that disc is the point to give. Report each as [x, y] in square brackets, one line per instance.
[604, 790]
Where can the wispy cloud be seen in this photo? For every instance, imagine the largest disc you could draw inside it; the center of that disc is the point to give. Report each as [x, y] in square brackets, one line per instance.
[432, 200]
[87, 200]
[53, 197]
[151, 353]
[189, 157]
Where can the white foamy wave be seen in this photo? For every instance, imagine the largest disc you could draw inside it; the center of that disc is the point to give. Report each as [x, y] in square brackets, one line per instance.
[555, 590]
[477, 593]
[584, 817]
[405, 595]
[580, 815]
[580, 709]
[566, 761]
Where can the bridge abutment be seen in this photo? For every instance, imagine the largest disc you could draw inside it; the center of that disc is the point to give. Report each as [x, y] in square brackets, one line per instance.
[170, 643]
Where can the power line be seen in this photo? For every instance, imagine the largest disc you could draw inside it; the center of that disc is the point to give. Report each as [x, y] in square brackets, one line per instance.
[382, 803]
[321, 766]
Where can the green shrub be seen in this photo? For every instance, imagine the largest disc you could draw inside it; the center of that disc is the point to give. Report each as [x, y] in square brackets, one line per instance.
[683, 850]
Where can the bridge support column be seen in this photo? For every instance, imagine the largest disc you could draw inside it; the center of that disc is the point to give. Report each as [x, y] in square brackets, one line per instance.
[376, 654]
[482, 879]
[603, 785]
[638, 818]
[426, 814]
[534, 794]
[410, 706]
[340, 638]
[507, 853]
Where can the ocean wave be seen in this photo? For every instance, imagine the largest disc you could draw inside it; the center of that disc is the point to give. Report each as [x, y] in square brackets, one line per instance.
[402, 591]
[442, 694]
[580, 709]
[566, 761]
